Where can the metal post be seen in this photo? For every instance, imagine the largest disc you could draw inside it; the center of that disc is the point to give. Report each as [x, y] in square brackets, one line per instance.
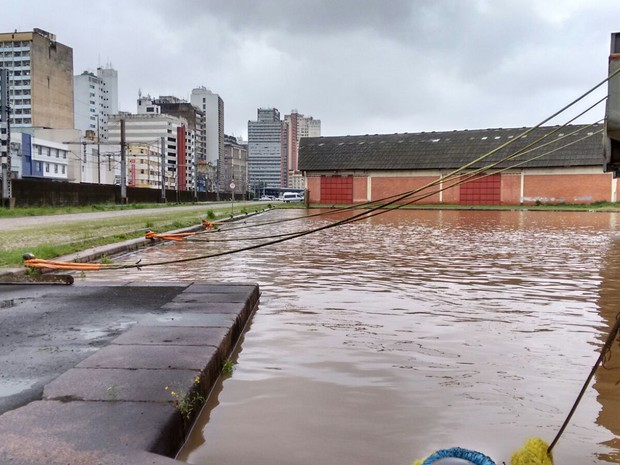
[232, 204]
[98, 153]
[123, 165]
[162, 143]
[5, 138]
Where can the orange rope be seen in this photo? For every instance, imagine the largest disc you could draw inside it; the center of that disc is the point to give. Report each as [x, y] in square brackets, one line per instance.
[168, 237]
[56, 265]
[210, 224]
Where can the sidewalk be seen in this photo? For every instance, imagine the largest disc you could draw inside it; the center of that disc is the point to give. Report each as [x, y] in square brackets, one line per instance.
[84, 367]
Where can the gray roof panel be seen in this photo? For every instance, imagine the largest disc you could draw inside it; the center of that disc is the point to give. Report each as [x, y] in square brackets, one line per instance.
[452, 149]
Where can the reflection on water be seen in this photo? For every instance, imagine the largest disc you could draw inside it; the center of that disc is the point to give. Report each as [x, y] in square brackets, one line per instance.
[381, 341]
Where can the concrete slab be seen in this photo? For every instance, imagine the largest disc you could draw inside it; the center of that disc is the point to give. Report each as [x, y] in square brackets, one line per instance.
[172, 335]
[192, 318]
[151, 357]
[212, 297]
[212, 307]
[83, 368]
[53, 432]
[114, 385]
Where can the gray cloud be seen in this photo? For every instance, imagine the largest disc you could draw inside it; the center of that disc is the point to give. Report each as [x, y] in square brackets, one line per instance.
[361, 66]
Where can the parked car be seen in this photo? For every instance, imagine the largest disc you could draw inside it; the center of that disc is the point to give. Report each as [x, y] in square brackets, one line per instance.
[291, 197]
[266, 197]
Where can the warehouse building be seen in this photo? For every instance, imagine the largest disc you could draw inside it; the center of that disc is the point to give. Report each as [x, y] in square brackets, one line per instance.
[548, 165]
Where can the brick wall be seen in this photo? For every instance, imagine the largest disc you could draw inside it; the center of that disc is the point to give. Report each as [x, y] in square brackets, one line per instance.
[570, 187]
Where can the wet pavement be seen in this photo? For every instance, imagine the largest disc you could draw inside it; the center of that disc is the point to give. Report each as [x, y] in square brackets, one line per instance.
[84, 368]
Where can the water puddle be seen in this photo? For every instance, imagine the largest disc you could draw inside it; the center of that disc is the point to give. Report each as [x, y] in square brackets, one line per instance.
[9, 387]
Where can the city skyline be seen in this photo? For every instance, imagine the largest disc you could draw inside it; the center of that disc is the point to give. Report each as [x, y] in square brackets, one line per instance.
[361, 67]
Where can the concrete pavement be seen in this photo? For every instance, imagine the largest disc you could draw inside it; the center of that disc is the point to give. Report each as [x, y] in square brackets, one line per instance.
[83, 368]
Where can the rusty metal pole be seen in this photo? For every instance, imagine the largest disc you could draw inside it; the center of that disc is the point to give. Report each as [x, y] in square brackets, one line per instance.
[123, 165]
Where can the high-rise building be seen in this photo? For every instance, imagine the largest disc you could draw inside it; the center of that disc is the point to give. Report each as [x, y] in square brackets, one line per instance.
[149, 128]
[40, 79]
[190, 143]
[213, 107]
[267, 150]
[87, 101]
[298, 126]
[95, 98]
[235, 165]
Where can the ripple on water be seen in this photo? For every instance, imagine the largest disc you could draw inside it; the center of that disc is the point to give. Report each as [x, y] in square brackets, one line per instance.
[380, 341]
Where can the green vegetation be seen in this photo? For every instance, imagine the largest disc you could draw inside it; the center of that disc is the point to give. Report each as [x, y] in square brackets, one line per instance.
[42, 211]
[186, 402]
[54, 240]
[112, 393]
[228, 367]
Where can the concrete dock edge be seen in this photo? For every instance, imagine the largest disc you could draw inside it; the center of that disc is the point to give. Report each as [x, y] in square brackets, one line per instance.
[109, 404]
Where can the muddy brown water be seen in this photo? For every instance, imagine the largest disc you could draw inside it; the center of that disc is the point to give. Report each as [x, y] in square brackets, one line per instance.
[382, 341]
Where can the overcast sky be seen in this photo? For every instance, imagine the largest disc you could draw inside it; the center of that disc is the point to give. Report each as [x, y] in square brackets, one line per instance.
[360, 66]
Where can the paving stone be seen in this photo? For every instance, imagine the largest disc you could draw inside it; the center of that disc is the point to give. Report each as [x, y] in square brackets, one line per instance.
[52, 432]
[151, 356]
[119, 385]
[172, 335]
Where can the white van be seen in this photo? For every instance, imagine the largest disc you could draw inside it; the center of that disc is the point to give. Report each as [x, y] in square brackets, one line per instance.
[291, 197]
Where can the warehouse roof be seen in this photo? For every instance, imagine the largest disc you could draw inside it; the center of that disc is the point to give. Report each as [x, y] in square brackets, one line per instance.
[453, 149]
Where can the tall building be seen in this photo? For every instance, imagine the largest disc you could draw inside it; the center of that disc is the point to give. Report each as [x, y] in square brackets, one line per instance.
[195, 118]
[149, 128]
[108, 77]
[40, 79]
[235, 165]
[95, 98]
[298, 126]
[267, 150]
[213, 107]
[87, 100]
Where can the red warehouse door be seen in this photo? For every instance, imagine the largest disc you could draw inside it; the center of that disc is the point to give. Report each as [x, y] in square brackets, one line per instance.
[337, 189]
[482, 191]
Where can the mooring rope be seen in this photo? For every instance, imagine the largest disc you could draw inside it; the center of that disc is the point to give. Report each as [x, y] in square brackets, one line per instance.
[613, 333]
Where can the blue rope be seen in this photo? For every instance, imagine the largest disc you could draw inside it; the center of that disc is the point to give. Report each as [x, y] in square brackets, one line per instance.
[459, 453]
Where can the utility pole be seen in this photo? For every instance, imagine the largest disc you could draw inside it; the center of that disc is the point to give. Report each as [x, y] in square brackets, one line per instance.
[98, 153]
[5, 138]
[162, 144]
[123, 165]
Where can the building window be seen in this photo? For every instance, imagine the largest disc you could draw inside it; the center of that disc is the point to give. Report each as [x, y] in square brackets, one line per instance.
[63, 169]
[55, 168]
[47, 167]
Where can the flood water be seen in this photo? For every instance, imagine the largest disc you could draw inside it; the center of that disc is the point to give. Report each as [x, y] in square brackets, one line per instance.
[381, 341]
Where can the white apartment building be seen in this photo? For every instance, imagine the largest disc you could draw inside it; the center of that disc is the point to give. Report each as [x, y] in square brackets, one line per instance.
[95, 99]
[87, 100]
[149, 128]
[213, 107]
[108, 77]
[33, 157]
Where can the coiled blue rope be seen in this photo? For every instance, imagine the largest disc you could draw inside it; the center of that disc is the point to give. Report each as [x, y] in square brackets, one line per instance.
[459, 453]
